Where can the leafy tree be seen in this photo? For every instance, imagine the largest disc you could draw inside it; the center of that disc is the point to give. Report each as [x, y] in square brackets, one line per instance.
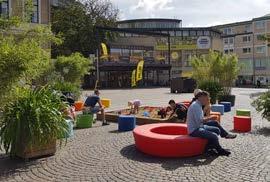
[213, 87]
[23, 54]
[76, 20]
[216, 67]
[262, 104]
[72, 68]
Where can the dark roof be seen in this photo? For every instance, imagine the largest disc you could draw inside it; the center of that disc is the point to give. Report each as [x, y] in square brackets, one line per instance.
[233, 24]
[154, 31]
[213, 29]
[266, 17]
[150, 20]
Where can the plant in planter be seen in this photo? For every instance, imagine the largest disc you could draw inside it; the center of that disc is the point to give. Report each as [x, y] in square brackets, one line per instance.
[32, 123]
[213, 87]
[67, 88]
[262, 104]
[219, 68]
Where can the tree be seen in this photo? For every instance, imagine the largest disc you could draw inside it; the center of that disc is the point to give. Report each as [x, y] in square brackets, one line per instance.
[72, 68]
[265, 38]
[216, 67]
[76, 20]
[23, 54]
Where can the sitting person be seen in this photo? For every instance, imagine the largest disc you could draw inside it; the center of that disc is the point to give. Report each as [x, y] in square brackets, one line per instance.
[206, 127]
[179, 109]
[69, 113]
[206, 108]
[90, 104]
[134, 106]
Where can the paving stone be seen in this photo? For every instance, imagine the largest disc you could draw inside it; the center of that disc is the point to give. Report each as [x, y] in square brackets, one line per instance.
[100, 154]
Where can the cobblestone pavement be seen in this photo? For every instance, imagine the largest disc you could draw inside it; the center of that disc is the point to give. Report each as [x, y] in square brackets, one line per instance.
[103, 154]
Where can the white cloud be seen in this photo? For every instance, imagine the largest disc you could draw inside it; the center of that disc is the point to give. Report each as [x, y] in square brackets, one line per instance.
[195, 12]
[151, 6]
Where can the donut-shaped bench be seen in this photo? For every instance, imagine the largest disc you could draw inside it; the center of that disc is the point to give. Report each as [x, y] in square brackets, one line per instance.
[167, 140]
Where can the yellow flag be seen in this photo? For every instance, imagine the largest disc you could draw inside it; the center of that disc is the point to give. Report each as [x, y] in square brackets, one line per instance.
[104, 49]
[139, 73]
[133, 78]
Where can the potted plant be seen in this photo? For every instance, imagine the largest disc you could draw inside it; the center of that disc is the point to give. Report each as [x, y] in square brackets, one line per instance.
[217, 67]
[31, 124]
[213, 87]
[262, 104]
[230, 70]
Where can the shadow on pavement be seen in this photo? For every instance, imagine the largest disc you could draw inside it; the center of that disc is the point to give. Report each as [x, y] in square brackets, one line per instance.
[170, 164]
[10, 166]
[115, 131]
[265, 131]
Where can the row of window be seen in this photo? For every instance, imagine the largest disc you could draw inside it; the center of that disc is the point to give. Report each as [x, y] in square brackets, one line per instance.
[180, 33]
[4, 10]
[245, 39]
[248, 28]
[259, 50]
[247, 50]
[150, 25]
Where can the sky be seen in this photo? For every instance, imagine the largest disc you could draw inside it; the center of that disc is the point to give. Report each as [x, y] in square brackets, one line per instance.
[194, 13]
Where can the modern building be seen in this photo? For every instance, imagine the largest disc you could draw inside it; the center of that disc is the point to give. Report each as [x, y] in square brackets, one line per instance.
[245, 40]
[41, 10]
[160, 66]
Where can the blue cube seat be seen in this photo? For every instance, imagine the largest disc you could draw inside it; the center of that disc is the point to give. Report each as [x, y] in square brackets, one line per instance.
[218, 108]
[126, 122]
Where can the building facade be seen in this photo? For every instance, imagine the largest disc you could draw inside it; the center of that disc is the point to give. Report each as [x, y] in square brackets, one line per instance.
[245, 40]
[41, 10]
[129, 48]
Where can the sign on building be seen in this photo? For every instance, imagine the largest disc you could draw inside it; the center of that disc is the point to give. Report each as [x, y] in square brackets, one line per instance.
[204, 42]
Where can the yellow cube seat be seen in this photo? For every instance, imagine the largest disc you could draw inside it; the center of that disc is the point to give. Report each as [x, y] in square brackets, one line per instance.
[106, 102]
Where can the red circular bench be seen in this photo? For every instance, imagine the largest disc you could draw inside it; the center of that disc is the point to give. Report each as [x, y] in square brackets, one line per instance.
[167, 140]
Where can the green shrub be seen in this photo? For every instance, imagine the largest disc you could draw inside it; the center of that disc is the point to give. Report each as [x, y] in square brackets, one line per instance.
[36, 116]
[213, 87]
[23, 56]
[67, 87]
[262, 104]
[218, 67]
[72, 68]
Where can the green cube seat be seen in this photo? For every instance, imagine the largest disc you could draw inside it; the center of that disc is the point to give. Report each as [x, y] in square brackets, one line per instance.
[243, 112]
[84, 121]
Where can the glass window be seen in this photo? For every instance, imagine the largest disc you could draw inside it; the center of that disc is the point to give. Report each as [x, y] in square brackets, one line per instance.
[199, 33]
[225, 40]
[172, 33]
[231, 40]
[260, 24]
[4, 8]
[247, 28]
[226, 51]
[261, 49]
[192, 33]
[227, 30]
[246, 38]
[178, 33]
[35, 14]
[260, 63]
[206, 32]
[185, 33]
[260, 36]
[247, 50]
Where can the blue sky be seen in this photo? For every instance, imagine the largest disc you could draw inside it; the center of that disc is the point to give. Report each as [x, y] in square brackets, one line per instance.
[194, 12]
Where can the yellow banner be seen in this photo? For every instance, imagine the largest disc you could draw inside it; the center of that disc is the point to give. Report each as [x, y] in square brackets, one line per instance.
[139, 73]
[187, 74]
[176, 47]
[104, 49]
[133, 78]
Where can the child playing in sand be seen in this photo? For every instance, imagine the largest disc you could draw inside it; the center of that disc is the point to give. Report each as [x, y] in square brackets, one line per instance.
[134, 106]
